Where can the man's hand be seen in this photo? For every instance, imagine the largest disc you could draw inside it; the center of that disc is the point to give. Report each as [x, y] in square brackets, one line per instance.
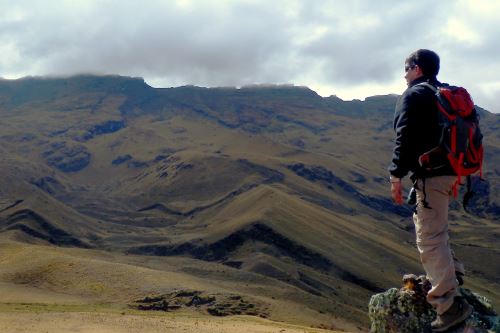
[397, 190]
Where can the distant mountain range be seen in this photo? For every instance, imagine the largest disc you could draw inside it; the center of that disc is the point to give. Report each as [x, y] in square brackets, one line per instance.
[269, 181]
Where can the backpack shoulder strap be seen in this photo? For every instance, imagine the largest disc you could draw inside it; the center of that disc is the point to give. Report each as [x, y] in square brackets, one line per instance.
[428, 85]
[442, 101]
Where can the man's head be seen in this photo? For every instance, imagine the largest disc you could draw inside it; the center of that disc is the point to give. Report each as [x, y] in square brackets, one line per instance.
[421, 63]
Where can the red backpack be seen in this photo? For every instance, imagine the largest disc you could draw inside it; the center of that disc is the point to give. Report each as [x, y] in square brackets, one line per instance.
[461, 139]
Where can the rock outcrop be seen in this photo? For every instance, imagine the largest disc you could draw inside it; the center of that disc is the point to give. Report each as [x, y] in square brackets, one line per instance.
[213, 304]
[406, 310]
[66, 157]
[106, 127]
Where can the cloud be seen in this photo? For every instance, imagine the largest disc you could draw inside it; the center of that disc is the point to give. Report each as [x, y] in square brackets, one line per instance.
[363, 47]
[212, 44]
[349, 48]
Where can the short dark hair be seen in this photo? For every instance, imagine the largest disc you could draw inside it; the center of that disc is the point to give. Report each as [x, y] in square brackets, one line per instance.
[427, 60]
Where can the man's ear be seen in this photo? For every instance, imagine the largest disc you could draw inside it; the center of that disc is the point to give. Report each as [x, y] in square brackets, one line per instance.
[418, 70]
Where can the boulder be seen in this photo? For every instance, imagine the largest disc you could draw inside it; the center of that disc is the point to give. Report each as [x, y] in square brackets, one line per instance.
[406, 310]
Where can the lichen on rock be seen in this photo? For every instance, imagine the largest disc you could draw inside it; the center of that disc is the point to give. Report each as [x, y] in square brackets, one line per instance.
[406, 310]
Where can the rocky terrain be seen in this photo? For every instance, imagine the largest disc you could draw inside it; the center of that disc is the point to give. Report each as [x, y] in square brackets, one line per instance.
[406, 310]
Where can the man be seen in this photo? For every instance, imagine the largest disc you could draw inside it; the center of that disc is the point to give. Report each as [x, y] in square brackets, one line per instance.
[418, 131]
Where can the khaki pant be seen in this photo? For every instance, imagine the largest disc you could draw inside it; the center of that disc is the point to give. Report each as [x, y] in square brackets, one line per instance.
[431, 226]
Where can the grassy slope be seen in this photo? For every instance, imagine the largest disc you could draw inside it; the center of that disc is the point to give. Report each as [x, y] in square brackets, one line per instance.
[215, 188]
[105, 321]
[87, 280]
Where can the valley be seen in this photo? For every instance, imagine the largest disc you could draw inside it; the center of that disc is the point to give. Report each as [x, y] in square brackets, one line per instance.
[112, 191]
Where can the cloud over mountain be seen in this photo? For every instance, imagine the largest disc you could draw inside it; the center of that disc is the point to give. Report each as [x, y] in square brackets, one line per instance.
[351, 49]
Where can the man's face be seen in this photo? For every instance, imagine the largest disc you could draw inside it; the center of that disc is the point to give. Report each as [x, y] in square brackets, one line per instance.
[413, 72]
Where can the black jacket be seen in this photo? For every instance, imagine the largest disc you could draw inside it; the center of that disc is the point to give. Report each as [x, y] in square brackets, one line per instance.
[416, 123]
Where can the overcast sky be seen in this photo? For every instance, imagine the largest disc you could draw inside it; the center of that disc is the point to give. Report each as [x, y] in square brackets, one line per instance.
[348, 48]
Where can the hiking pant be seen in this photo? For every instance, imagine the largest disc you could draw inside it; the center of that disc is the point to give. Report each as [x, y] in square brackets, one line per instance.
[431, 226]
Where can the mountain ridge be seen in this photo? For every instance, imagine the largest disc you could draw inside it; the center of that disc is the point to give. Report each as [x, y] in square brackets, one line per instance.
[276, 182]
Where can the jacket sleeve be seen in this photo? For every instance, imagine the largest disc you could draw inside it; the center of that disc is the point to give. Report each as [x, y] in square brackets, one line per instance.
[402, 157]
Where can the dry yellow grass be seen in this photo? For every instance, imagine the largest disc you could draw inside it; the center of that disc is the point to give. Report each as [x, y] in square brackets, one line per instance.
[52, 289]
[96, 322]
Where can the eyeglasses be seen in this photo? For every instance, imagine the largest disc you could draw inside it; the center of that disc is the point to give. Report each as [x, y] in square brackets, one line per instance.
[408, 67]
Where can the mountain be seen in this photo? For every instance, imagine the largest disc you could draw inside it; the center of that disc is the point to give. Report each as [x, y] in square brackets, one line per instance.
[271, 192]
